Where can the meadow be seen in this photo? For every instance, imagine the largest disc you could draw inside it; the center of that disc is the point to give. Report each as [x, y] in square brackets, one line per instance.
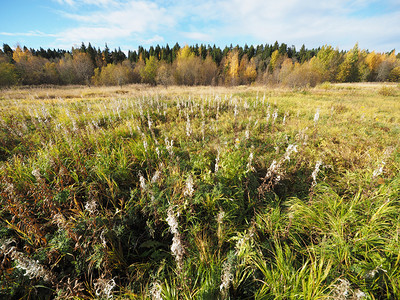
[139, 192]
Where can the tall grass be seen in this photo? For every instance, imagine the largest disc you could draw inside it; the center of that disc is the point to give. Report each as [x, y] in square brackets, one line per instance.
[205, 193]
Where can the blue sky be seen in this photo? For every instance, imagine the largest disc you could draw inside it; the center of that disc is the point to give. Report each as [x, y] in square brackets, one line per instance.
[375, 25]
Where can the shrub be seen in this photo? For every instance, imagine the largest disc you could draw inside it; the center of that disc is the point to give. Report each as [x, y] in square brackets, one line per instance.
[387, 91]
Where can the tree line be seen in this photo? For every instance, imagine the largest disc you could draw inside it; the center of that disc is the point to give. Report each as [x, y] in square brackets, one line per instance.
[196, 65]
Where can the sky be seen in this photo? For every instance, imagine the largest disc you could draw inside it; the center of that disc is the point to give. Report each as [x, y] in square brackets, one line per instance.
[62, 24]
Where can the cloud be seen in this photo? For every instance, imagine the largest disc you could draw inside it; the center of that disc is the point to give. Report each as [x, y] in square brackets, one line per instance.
[29, 33]
[75, 3]
[123, 21]
[68, 2]
[153, 40]
[198, 36]
[372, 23]
[337, 22]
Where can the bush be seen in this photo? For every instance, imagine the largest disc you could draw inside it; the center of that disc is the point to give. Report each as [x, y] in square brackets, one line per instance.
[8, 76]
[394, 75]
[302, 76]
[387, 91]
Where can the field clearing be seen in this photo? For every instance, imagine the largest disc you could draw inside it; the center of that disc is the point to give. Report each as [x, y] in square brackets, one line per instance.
[200, 192]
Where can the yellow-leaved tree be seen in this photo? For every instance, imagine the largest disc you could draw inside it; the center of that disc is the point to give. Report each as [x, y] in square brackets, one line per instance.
[232, 67]
[187, 67]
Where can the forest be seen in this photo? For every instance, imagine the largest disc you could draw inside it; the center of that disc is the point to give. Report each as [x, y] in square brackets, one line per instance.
[196, 65]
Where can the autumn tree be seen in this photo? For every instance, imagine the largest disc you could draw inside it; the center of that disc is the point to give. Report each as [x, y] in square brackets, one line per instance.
[327, 62]
[149, 71]
[50, 73]
[348, 69]
[28, 66]
[112, 74]
[187, 67]
[303, 75]
[385, 67]
[285, 69]
[208, 72]
[83, 67]
[394, 75]
[276, 60]
[8, 74]
[165, 74]
[232, 67]
[65, 68]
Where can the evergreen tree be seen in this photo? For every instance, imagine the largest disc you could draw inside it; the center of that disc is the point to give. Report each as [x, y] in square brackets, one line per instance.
[8, 51]
[302, 54]
[83, 48]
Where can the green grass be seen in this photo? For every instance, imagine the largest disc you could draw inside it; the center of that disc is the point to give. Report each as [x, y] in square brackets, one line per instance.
[200, 193]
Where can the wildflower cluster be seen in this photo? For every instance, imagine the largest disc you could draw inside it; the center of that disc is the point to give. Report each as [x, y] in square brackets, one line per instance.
[177, 246]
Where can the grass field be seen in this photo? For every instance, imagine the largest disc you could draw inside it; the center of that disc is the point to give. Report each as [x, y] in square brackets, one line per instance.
[200, 193]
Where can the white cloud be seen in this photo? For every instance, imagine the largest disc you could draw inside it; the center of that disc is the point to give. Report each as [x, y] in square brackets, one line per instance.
[123, 21]
[153, 40]
[35, 33]
[198, 36]
[315, 23]
[68, 2]
[75, 3]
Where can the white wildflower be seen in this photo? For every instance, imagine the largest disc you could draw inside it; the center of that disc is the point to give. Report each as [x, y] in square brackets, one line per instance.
[189, 187]
[379, 171]
[155, 177]
[237, 143]
[169, 145]
[315, 173]
[250, 162]
[103, 238]
[316, 116]
[36, 173]
[217, 162]
[372, 273]
[273, 168]
[172, 222]
[274, 116]
[290, 149]
[74, 128]
[91, 206]
[255, 124]
[60, 221]
[226, 277]
[158, 152]
[342, 290]
[155, 291]
[359, 294]
[31, 267]
[188, 128]
[220, 217]
[247, 133]
[104, 287]
[176, 247]
[142, 182]
[149, 122]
